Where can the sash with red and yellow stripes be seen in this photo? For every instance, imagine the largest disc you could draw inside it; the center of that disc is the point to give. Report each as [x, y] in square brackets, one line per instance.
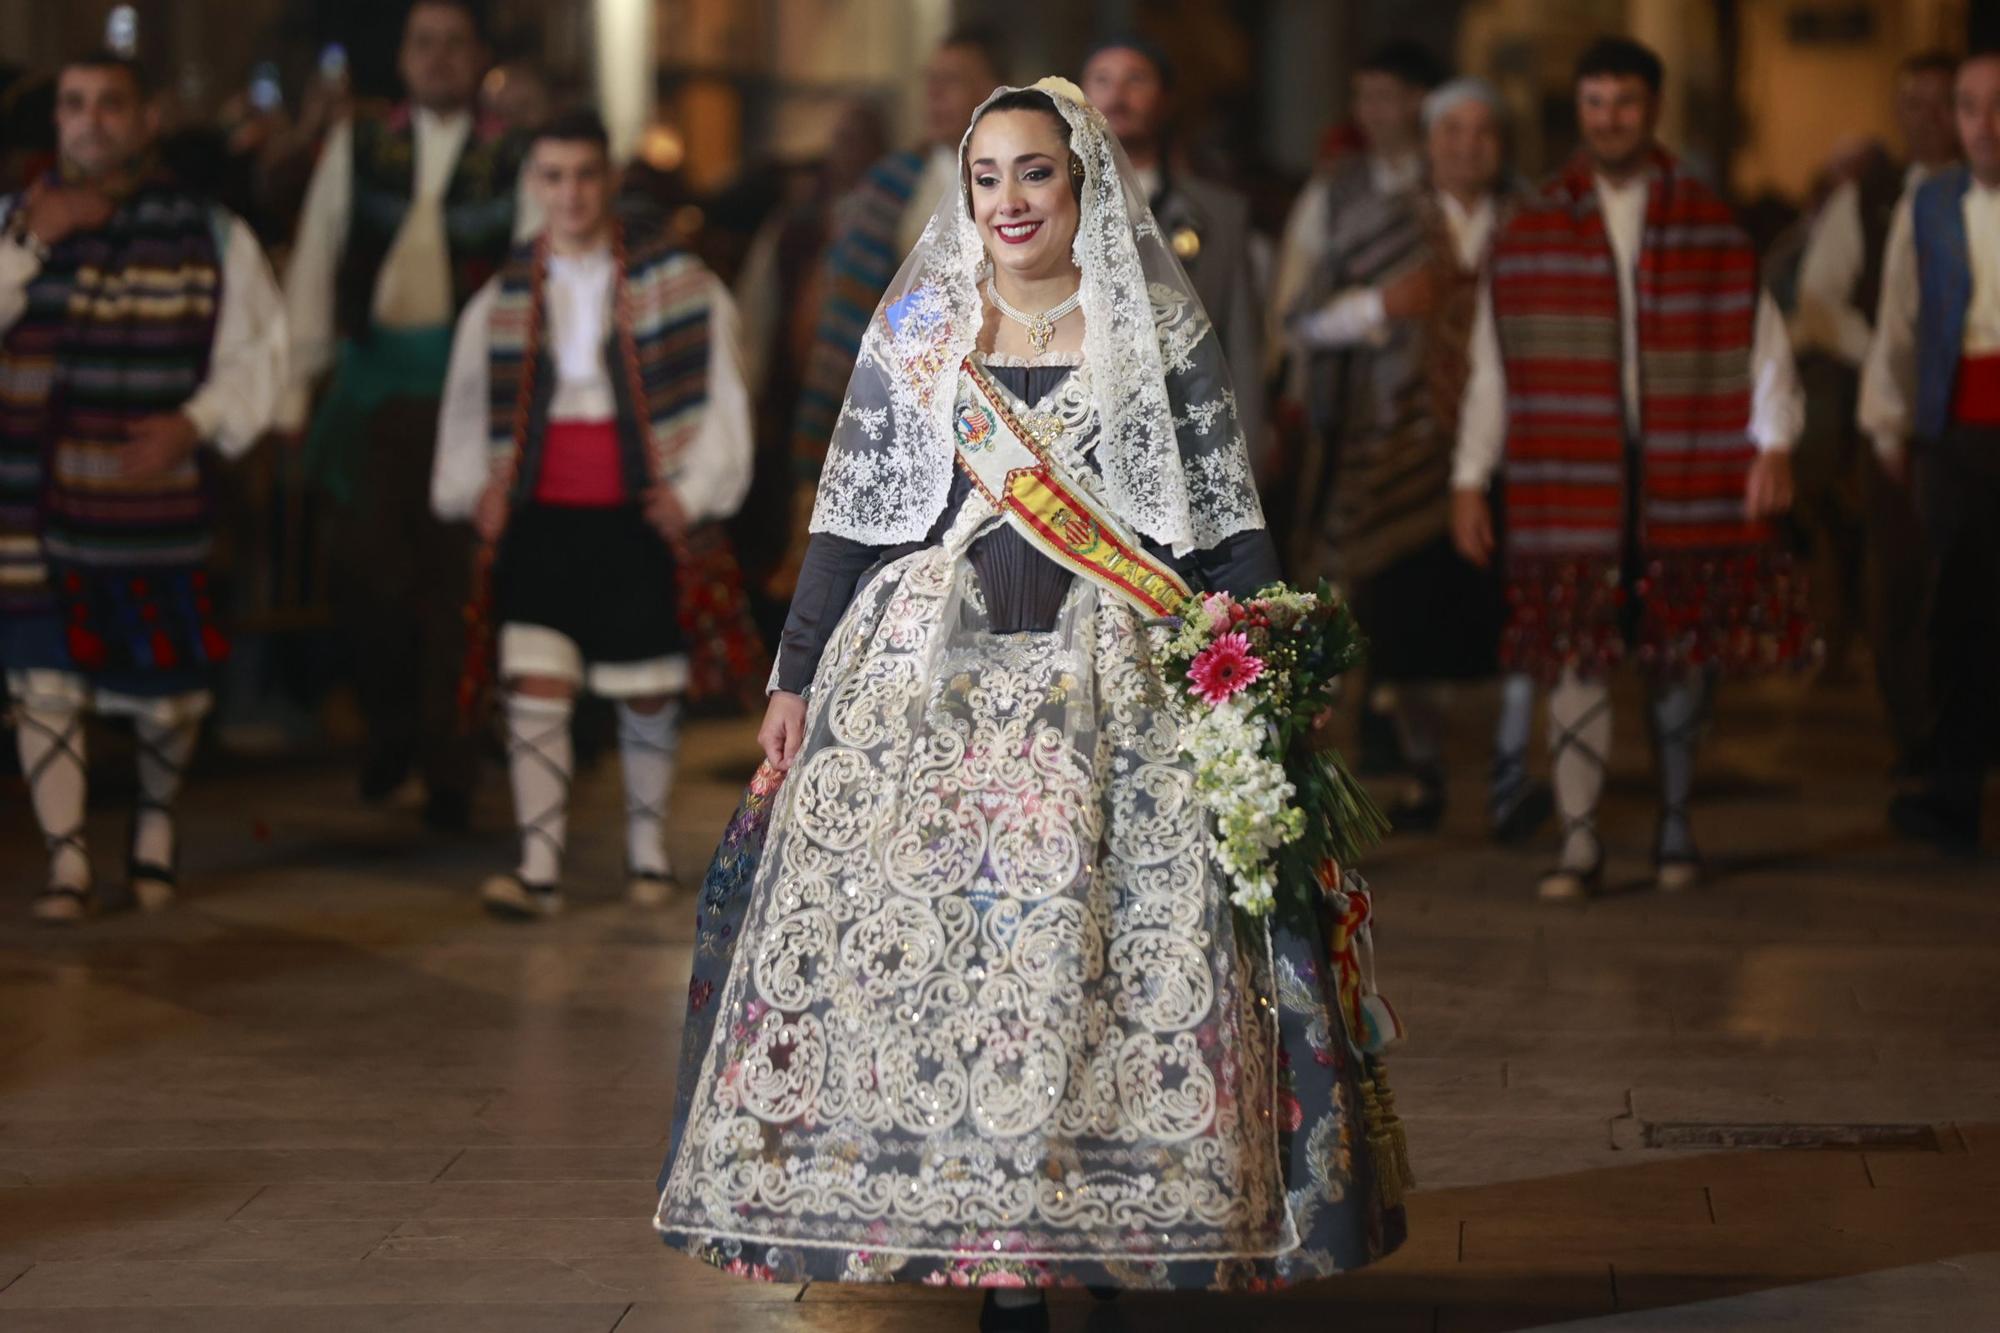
[999, 451]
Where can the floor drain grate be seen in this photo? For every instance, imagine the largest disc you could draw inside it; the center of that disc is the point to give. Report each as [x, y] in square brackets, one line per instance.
[1875, 1138]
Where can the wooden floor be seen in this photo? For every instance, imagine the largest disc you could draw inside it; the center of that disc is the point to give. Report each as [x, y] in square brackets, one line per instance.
[327, 1094]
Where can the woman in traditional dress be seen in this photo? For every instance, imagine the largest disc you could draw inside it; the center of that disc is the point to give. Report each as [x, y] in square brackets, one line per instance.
[970, 1002]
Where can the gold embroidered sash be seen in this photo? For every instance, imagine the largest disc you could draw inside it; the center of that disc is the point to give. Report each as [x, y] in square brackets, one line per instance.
[1012, 468]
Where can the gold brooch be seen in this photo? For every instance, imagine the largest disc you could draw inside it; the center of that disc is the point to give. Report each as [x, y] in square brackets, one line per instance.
[1186, 242]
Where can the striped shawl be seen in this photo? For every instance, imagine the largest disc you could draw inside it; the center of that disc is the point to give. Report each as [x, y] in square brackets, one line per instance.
[659, 342]
[1710, 592]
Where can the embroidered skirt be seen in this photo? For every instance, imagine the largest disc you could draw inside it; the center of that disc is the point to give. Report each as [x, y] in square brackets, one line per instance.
[970, 1005]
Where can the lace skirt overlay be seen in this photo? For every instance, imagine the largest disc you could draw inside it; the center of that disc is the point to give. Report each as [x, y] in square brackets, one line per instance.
[969, 1002]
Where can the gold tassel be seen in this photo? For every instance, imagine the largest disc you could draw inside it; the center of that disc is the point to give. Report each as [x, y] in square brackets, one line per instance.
[1381, 1148]
[1392, 1124]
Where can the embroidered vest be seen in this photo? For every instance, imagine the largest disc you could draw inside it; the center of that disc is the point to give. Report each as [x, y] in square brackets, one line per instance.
[658, 356]
[478, 210]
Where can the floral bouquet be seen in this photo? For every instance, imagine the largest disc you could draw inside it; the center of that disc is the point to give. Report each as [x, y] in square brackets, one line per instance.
[1253, 679]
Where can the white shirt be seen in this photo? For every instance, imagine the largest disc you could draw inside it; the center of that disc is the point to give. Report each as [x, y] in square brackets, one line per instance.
[1887, 408]
[579, 322]
[1304, 242]
[1624, 209]
[1827, 319]
[1357, 315]
[310, 276]
[1395, 175]
[712, 475]
[246, 360]
[1777, 403]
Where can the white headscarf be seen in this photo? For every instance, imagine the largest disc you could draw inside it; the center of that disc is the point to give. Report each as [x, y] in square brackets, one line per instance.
[1171, 452]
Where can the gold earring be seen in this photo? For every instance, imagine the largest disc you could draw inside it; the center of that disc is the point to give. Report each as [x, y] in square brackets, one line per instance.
[1075, 167]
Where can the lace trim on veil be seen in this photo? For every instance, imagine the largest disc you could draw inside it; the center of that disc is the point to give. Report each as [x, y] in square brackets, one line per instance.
[1170, 448]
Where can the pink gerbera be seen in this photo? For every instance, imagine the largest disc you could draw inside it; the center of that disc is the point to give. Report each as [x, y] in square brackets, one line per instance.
[1224, 669]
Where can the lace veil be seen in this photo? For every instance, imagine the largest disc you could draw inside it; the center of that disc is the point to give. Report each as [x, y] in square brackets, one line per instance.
[1169, 447]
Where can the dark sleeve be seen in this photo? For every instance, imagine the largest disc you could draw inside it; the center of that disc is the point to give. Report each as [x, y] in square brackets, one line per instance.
[832, 569]
[1240, 564]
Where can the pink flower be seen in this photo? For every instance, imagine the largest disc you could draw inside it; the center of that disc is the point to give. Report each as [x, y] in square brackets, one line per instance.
[1224, 669]
[1217, 605]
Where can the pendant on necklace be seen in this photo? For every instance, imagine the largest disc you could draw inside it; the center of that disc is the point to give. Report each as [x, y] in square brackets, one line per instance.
[1040, 331]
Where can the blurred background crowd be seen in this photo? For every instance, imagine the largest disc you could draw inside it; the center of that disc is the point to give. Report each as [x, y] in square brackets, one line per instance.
[750, 124]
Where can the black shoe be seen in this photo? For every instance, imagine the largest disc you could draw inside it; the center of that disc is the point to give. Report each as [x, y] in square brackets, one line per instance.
[1952, 826]
[447, 812]
[996, 1318]
[1520, 814]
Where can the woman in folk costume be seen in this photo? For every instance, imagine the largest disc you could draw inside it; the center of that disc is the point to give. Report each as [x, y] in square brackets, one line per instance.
[970, 1005]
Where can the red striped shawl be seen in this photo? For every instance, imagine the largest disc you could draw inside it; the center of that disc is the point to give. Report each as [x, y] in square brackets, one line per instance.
[1710, 595]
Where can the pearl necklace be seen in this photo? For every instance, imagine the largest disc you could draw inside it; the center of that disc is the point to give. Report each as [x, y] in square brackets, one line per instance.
[1040, 327]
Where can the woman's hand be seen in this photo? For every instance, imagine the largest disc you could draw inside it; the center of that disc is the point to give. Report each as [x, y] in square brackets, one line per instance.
[784, 729]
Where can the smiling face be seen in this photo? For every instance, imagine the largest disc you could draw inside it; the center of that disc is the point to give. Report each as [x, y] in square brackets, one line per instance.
[1018, 179]
[1616, 114]
[1464, 149]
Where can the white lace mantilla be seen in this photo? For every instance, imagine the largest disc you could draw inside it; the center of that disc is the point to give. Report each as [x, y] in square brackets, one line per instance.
[1171, 453]
[988, 992]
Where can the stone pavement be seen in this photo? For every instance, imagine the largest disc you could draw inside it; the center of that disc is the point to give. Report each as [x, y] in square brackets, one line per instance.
[327, 1094]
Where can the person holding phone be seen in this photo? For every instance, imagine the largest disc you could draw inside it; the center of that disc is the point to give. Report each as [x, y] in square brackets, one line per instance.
[407, 215]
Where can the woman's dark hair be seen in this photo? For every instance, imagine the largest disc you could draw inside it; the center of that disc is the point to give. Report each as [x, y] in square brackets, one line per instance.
[1029, 99]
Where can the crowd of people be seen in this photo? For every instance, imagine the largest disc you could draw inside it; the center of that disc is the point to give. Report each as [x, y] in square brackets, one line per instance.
[1534, 433]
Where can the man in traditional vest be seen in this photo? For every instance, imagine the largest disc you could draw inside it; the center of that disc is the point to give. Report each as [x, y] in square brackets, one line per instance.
[874, 227]
[1642, 393]
[1860, 517]
[1932, 403]
[595, 417]
[1130, 80]
[1432, 612]
[406, 216]
[1329, 226]
[137, 322]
